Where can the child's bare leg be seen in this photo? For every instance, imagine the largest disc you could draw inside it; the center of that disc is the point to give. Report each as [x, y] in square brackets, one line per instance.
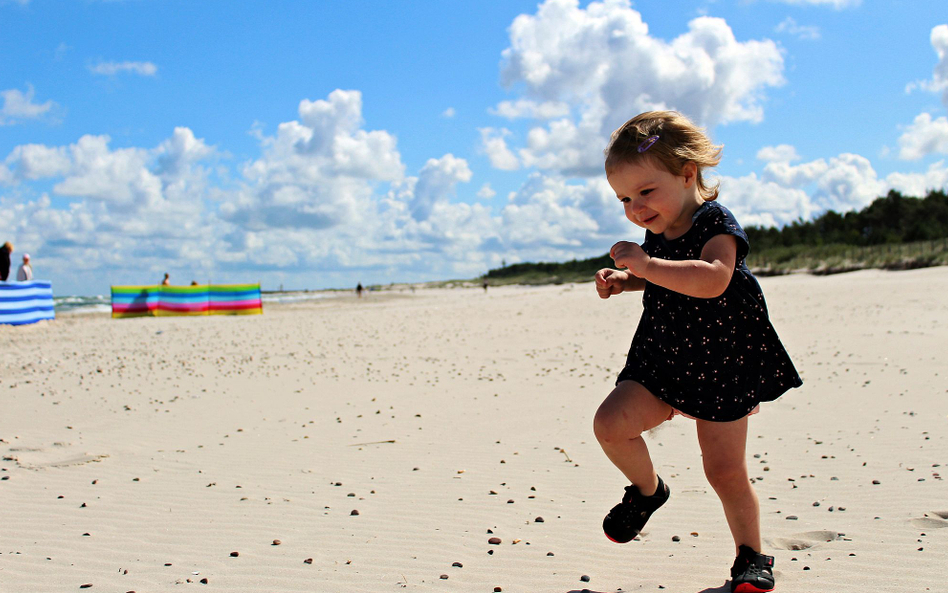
[723, 450]
[623, 416]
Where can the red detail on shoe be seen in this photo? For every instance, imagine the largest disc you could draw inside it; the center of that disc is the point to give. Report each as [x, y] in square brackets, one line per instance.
[612, 540]
[748, 588]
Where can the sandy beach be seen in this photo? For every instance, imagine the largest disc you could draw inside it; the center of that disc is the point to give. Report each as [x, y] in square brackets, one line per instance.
[378, 444]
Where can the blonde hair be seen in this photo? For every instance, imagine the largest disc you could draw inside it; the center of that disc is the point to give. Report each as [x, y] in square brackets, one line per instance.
[9, 247]
[667, 139]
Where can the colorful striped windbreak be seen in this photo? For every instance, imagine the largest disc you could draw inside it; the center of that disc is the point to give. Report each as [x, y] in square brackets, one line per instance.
[26, 302]
[207, 299]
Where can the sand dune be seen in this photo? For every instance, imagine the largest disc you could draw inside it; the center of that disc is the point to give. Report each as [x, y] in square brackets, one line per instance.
[379, 444]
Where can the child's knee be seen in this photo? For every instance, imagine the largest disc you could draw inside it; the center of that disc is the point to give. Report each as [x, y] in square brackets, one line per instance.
[611, 425]
[726, 474]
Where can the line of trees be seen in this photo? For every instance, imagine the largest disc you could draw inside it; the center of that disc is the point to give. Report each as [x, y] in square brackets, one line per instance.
[892, 219]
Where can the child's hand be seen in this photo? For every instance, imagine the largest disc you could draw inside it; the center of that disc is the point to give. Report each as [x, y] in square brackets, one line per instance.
[630, 255]
[610, 282]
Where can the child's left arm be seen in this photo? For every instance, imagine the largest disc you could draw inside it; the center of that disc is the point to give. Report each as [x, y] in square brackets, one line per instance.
[704, 278]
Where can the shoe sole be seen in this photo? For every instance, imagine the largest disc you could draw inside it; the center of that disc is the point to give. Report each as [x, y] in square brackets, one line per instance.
[748, 588]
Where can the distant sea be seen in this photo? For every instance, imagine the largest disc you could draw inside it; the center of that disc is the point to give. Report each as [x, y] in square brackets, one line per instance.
[103, 303]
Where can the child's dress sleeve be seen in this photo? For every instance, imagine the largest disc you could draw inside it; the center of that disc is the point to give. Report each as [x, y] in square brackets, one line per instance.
[718, 220]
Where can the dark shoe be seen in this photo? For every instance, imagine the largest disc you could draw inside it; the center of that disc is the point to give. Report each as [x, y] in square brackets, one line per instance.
[752, 572]
[627, 518]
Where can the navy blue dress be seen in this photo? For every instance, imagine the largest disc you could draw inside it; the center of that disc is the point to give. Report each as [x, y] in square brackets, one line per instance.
[714, 359]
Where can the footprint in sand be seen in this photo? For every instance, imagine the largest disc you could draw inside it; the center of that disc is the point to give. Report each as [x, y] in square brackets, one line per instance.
[932, 520]
[804, 541]
[40, 458]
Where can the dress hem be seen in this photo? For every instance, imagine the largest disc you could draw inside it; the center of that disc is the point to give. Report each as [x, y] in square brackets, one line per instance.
[676, 411]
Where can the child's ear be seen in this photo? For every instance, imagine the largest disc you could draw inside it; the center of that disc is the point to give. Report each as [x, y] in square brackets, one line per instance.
[690, 173]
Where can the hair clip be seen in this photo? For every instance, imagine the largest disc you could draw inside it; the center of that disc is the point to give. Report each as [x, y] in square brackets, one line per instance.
[647, 143]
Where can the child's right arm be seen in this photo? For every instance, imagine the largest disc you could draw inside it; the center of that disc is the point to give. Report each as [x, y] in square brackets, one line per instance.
[610, 282]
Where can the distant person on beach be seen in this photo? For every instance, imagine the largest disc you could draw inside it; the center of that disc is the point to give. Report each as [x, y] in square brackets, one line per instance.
[704, 347]
[5, 251]
[485, 285]
[25, 271]
[359, 290]
[167, 280]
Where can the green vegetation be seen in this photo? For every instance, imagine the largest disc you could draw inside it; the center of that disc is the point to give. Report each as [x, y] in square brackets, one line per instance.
[549, 273]
[894, 232]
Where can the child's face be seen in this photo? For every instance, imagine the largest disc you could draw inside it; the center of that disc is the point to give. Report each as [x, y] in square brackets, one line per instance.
[656, 200]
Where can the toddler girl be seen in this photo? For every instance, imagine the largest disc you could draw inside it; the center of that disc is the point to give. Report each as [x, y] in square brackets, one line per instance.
[704, 347]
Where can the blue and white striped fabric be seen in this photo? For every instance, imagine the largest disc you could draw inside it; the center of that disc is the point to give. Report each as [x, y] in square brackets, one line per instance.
[26, 302]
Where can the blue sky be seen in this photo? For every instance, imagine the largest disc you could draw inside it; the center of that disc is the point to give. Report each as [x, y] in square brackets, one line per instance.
[320, 144]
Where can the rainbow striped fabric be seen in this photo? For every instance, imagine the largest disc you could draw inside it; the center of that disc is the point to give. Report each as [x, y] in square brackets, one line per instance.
[207, 299]
[26, 302]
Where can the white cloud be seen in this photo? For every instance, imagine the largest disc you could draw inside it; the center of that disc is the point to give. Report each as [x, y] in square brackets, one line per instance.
[602, 62]
[766, 203]
[181, 151]
[927, 135]
[781, 171]
[36, 161]
[120, 177]
[566, 147]
[923, 137]
[147, 183]
[316, 172]
[494, 144]
[785, 192]
[551, 218]
[486, 192]
[783, 153]
[18, 105]
[448, 113]
[789, 25]
[531, 109]
[436, 183]
[314, 199]
[939, 80]
[837, 4]
[845, 182]
[919, 184]
[113, 68]
[132, 211]
[939, 39]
